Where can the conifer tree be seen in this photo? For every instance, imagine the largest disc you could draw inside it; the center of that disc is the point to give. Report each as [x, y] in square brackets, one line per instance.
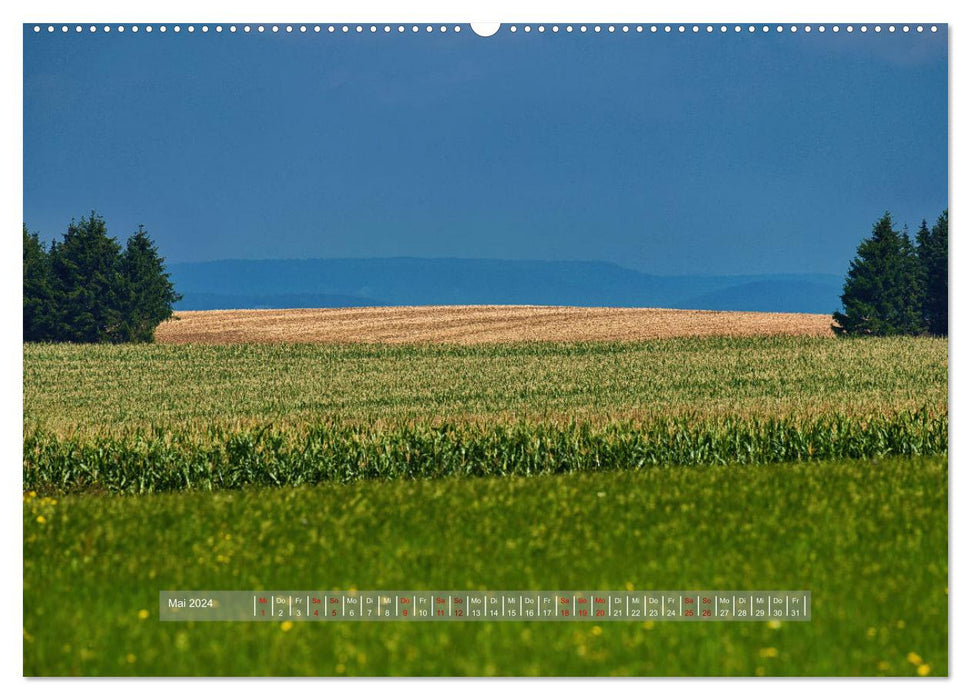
[39, 310]
[882, 294]
[88, 283]
[150, 293]
[85, 289]
[912, 289]
[932, 253]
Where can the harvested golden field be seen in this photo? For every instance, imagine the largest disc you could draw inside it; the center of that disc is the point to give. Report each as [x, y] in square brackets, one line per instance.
[468, 325]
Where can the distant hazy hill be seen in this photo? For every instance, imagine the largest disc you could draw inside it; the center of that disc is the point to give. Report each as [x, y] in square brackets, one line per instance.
[797, 295]
[203, 301]
[241, 284]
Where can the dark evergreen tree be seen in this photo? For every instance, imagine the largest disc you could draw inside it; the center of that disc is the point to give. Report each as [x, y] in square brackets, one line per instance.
[912, 289]
[150, 293]
[932, 253]
[89, 284]
[923, 234]
[84, 289]
[883, 292]
[39, 308]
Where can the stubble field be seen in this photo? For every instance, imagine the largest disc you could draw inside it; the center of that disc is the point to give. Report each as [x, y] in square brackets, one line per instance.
[477, 324]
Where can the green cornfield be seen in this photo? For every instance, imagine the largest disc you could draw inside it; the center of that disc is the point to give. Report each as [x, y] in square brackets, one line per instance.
[159, 461]
[157, 418]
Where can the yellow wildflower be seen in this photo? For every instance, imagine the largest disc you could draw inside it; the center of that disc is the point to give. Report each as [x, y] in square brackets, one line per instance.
[914, 658]
[768, 653]
[597, 631]
[130, 658]
[286, 625]
[923, 669]
[41, 519]
[143, 614]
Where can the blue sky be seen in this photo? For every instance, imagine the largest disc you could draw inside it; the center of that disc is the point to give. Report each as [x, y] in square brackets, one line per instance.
[666, 153]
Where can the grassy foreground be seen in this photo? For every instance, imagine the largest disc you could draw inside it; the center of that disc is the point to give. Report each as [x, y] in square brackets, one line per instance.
[869, 538]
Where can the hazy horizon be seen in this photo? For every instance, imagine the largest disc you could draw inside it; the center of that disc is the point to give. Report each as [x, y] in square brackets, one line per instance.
[593, 261]
[414, 281]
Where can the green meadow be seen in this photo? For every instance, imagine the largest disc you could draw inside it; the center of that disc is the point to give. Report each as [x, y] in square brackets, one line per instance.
[868, 538]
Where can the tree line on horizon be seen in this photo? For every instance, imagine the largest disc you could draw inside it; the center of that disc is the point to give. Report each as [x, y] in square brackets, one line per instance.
[895, 286]
[87, 288]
